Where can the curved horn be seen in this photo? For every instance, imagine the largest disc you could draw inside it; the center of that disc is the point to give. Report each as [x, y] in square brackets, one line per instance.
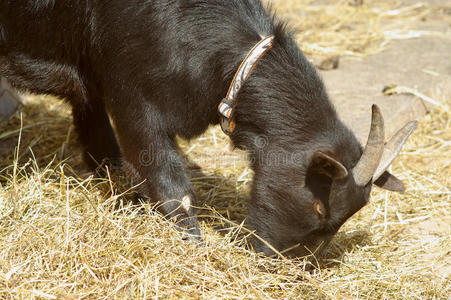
[369, 161]
[393, 147]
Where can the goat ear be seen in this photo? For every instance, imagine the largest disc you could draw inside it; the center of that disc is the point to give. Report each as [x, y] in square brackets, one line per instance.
[389, 182]
[327, 165]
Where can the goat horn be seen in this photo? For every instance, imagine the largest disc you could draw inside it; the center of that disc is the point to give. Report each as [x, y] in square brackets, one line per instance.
[393, 147]
[369, 161]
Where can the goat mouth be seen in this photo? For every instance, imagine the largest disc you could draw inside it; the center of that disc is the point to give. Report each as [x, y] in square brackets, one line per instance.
[309, 250]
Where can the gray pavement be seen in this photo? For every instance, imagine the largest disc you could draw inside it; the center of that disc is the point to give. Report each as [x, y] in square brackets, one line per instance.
[9, 101]
[422, 63]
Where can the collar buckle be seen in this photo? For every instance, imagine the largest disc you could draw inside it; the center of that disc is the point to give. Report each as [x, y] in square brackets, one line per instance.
[226, 109]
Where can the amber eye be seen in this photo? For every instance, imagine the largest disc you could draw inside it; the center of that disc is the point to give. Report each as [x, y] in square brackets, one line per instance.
[319, 208]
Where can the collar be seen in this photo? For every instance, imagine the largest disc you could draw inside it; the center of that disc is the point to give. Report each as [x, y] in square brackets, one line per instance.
[227, 105]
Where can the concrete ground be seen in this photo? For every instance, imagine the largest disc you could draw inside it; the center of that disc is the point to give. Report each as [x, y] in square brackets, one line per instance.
[9, 101]
[422, 63]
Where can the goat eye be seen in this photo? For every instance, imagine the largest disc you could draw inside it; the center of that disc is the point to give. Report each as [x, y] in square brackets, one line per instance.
[319, 208]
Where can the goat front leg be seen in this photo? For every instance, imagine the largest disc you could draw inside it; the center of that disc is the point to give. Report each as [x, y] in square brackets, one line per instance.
[151, 157]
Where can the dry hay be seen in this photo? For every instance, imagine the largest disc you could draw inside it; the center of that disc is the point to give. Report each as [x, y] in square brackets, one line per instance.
[335, 27]
[66, 234]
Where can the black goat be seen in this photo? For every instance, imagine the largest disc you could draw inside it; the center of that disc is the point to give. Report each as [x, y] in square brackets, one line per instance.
[160, 68]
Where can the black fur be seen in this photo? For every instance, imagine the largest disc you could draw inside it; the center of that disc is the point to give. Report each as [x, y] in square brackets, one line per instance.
[159, 69]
